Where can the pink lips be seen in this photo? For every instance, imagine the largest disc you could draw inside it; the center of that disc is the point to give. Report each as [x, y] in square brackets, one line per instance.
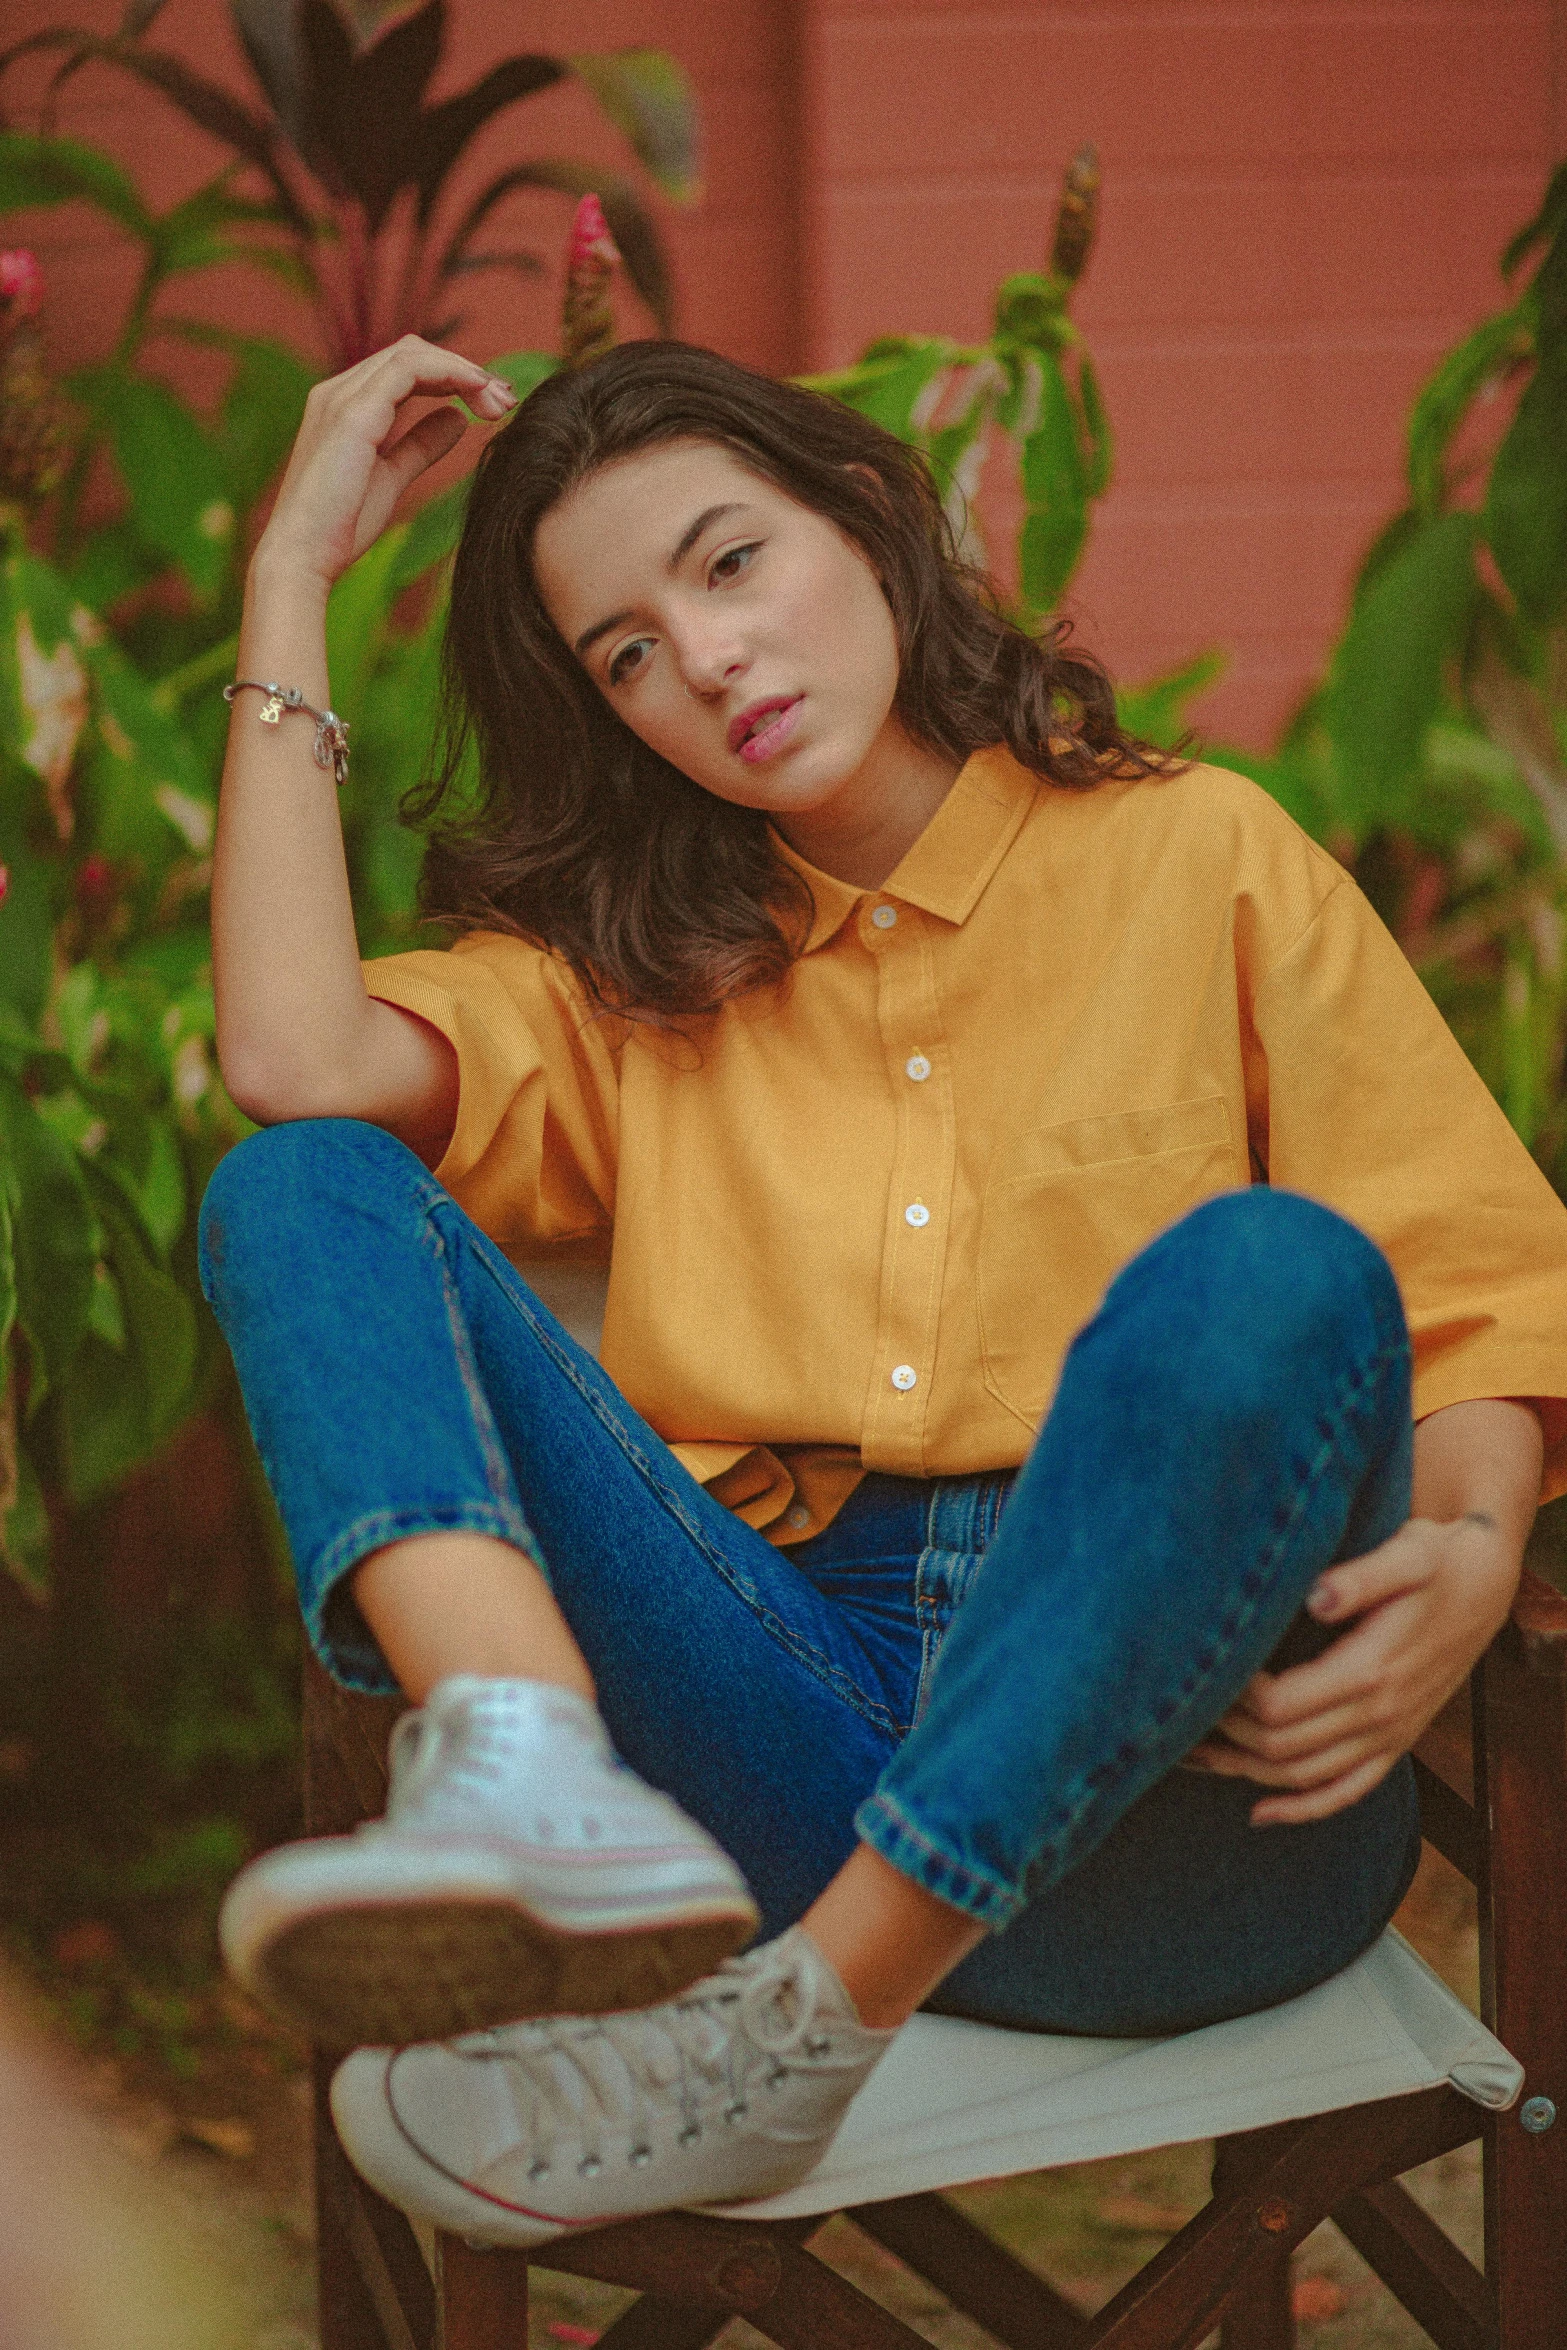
[764, 728]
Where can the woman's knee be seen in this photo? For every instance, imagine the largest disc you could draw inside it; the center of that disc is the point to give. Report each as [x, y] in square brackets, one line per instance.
[275, 1183]
[1274, 1265]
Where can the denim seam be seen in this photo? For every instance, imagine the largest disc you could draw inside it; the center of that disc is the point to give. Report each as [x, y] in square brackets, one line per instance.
[804, 1651]
[1002, 1904]
[1155, 1725]
[967, 1888]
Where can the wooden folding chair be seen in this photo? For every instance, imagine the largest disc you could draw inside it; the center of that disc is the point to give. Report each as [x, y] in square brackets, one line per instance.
[1493, 1782]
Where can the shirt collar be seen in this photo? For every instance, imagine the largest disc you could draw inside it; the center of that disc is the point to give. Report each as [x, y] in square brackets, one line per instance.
[946, 870]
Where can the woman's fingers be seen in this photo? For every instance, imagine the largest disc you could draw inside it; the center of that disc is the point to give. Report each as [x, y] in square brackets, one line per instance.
[414, 369]
[1239, 1733]
[1327, 1761]
[424, 444]
[1405, 1563]
[1319, 1803]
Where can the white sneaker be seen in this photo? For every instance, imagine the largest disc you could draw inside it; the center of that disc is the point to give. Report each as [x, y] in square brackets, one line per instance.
[520, 1870]
[514, 2136]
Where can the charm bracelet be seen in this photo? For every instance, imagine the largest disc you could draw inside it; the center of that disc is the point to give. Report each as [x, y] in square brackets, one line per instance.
[331, 743]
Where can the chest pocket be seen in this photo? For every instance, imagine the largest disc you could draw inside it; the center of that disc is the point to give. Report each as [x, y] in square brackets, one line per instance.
[1064, 1209]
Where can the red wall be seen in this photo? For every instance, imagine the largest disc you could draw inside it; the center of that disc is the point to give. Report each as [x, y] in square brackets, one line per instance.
[1303, 205]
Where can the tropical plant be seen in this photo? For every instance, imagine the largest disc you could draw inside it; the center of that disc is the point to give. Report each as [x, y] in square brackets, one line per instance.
[188, 485]
[357, 162]
[1433, 757]
[1032, 383]
[111, 1111]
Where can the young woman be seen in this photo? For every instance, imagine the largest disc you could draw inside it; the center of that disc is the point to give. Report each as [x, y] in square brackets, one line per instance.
[997, 1564]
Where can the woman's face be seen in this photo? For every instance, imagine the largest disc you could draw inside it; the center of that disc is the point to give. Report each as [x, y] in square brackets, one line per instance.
[744, 637]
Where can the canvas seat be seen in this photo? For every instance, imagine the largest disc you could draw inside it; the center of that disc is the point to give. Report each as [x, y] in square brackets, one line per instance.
[1316, 2108]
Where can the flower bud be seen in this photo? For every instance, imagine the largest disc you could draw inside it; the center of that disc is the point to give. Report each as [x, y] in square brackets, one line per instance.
[1077, 218]
[587, 318]
[21, 284]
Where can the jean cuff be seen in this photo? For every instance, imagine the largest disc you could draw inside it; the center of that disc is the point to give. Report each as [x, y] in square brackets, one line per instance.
[336, 1630]
[880, 1824]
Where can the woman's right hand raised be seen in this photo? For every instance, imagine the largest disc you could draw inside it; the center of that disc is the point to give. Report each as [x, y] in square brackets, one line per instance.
[350, 465]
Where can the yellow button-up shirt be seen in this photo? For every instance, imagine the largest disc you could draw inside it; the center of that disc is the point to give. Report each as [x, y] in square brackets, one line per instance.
[855, 1222]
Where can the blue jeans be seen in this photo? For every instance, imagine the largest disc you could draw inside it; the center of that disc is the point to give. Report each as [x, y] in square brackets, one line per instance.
[990, 1679]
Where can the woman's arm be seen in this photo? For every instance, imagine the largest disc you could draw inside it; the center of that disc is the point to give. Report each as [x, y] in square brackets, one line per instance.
[298, 1036]
[1421, 1610]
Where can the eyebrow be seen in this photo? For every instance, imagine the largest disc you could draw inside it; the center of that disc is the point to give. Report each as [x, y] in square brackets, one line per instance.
[688, 538]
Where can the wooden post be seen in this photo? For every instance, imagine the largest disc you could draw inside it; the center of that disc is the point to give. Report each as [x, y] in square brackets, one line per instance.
[1521, 1797]
[483, 2296]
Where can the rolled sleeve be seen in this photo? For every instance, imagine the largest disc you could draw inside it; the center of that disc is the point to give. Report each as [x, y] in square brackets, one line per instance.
[531, 1157]
[1372, 1106]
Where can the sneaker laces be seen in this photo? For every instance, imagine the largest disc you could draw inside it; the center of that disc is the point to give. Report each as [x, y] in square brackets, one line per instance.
[463, 1748]
[584, 2079]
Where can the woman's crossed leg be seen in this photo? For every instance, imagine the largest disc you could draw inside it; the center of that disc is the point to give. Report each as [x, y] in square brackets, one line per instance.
[467, 1493]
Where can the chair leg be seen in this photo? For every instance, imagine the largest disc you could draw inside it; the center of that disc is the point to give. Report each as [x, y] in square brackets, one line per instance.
[483, 2296]
[1521, 1797]
[652, 2324]
[1261, 2317]
[373, 2289]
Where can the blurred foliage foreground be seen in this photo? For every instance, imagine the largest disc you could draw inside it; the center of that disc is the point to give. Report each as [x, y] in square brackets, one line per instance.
[148, 1722]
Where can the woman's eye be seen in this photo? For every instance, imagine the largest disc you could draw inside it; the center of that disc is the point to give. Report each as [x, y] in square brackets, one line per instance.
[628, 661]
[733, 561]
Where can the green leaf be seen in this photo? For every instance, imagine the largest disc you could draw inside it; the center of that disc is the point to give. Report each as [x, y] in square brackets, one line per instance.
[1292, 780]
[108, 565]
[148, 791]
[356, 618]
[1445, 398]
[1055, 478]
[141, 1156]
[119, 1404]
[1096, 423]
[1156, 712]
[37, 171]
[261, 413]
[890, 382]
[431, 534]
[1548, 222]
[106, 1314]
[1031, 310]
[173, 475]
[1390, 540]
[27, 910]
[57, 1240]
[648, 97]
[195, 233]
[24, 1520]
[1526, 501]
[1408, 623]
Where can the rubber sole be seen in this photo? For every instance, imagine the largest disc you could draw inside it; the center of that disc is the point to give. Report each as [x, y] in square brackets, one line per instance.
[387, 1974]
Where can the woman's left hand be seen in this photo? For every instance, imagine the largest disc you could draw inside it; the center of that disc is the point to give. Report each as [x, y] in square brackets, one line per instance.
[1428, 1603]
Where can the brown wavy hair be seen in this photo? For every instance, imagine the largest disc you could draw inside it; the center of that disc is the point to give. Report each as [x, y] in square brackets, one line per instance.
[565, 828]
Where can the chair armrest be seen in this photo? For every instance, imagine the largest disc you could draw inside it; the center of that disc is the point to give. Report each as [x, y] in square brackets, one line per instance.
[1538, 1624]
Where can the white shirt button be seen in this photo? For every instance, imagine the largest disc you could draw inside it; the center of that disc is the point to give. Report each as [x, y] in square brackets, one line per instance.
[884, 916]
[905, 1377]
[917, 1215]
[917, 1067]
[799, 1515]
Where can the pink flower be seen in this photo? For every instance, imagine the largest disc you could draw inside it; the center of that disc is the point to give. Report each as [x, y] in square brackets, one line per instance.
[590, 237]
[587, 316]
[5, 883]
[21, 282]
